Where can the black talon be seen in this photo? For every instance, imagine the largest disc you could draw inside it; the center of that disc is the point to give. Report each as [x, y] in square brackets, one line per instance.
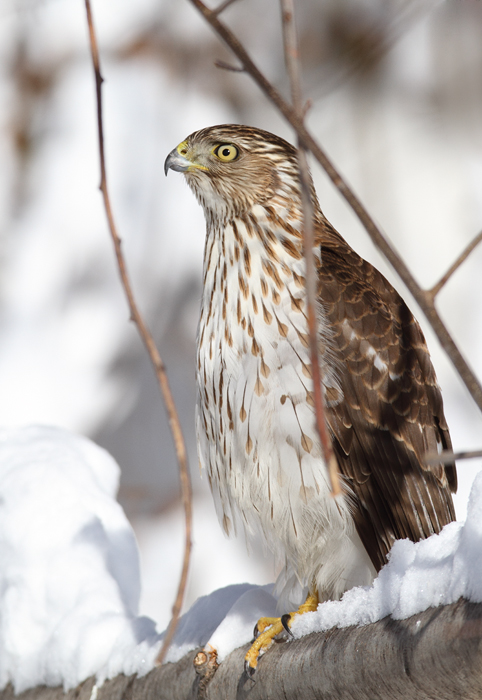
[249, 670]
[255, 631]
[284, 621]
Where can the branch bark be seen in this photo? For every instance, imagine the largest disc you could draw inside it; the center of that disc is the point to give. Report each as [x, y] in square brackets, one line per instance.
[148, 341]
[436, 654]
[423, 297]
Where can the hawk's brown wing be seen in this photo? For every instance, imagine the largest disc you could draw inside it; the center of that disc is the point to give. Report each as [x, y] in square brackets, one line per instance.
[391, 413]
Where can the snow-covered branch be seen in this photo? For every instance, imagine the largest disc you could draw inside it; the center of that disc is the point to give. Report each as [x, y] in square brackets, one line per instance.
[435, 654]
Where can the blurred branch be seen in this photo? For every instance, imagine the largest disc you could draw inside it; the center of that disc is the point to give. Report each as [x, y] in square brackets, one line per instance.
[423, 298]
[462, 258]
[226, 66]
[223, 6]
[449, 457]
[148, 341]
[291, 52]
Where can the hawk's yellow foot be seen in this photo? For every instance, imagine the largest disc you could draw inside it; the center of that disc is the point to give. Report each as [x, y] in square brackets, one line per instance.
[267, 628]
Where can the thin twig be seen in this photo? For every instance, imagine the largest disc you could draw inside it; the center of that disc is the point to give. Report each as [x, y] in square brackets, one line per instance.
[307, 106]
[291, 52]
[462, 258]
[227, 66]
[223, 6]
[148, 341]
[449, 457]
[422, 297]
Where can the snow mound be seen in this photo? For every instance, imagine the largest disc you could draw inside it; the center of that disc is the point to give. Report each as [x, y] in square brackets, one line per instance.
[69, 580]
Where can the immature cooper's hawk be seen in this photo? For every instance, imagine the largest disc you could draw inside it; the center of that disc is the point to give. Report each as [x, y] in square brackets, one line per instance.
[255, 419]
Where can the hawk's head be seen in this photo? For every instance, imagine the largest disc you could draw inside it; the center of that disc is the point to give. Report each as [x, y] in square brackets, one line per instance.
[230, 168]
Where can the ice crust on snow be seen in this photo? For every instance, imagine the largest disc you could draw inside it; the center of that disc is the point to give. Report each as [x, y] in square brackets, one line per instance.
[70, 585]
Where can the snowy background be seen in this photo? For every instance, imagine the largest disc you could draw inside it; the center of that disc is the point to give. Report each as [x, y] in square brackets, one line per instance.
[397, 103]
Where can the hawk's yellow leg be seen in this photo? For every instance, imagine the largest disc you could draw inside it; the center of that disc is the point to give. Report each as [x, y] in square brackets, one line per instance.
[267, 629]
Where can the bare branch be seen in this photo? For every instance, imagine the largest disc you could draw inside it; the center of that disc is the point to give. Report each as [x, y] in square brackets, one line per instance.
[462, 258]
[148, 341]
[307, 106]
[227, 66]
[291, 52]
[449, 457]
[223, 6]
[422, 297]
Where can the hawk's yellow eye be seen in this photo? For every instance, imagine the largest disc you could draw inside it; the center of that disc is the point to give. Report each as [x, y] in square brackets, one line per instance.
[226, 152]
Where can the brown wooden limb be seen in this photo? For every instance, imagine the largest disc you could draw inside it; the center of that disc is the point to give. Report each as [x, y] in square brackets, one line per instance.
[453, 268]
[148, 341]
[435, 655]
[422, 297]
[291, 52]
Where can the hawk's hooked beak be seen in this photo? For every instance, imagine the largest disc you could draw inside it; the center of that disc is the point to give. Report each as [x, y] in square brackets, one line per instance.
[176, 160]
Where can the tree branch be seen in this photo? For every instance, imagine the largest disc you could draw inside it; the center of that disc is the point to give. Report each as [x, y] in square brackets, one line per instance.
[291, 52]
[462, 258]
[227, 66]
[148, 341]
[422, 297]
[435, 654]
[223, 6]
[450, 457]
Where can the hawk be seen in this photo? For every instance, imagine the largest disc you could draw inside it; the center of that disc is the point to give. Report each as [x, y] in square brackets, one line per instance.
[256, 431]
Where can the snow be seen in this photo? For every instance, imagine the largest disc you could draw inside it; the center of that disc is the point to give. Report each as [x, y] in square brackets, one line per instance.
[432, 572]
[161, 542]
[70, 581]
[223, 620]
